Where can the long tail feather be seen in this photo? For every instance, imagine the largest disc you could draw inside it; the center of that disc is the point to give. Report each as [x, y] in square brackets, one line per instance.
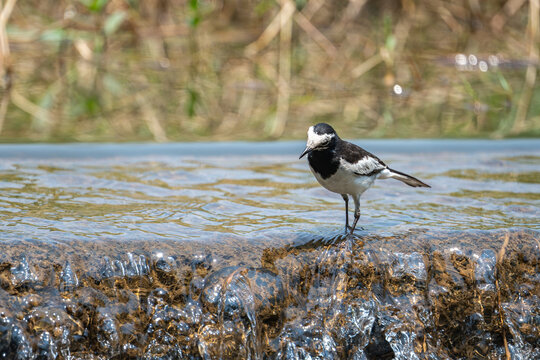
[407, 179]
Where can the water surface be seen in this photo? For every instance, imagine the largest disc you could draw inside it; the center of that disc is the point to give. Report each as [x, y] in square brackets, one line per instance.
[191, 191]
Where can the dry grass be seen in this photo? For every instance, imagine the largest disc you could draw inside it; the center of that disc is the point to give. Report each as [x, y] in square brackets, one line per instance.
[118, 70]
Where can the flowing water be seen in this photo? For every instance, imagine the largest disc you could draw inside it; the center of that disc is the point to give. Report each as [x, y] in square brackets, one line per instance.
[231, 250]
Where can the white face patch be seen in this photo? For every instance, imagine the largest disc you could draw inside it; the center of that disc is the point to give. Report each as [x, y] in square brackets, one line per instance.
[315, 140]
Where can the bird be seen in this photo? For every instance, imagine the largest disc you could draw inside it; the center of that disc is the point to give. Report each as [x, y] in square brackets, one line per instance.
[347, 169]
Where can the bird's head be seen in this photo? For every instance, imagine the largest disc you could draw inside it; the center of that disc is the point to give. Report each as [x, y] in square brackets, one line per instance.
[321, 136]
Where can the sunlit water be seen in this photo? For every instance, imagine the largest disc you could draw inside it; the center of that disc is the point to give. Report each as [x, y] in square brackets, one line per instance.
[234, 251]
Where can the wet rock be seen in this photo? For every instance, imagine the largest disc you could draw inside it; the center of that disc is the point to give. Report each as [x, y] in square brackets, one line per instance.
[46, 347]
[132, 269]
[228, 295]
[14, 344]
[108, 270]
[30, 301]
[351, 323]
[408, 296]
[407, 273]
[402, 341]
[228, 340]
[163, 348]
[157, 299]
[484, 271]
[166, 271]
[203, 263]
[23, 274]
[53, 320]
[163, 263]
[307, 340]
[68, 279]
[106, 333]
[464, 265]
[136, 266]
[193, 313]
[378, 347]
[237, 291]
[196, 286]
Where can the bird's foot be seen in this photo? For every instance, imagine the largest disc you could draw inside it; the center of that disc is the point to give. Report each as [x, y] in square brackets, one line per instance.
[349, 229]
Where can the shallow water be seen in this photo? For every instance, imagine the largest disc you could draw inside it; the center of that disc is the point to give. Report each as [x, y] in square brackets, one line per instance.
[233, 251]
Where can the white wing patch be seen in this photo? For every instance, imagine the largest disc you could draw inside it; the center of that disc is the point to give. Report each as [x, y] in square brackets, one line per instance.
[365, 166]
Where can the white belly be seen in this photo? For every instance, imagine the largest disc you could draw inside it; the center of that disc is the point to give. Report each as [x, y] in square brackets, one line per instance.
[344, 182]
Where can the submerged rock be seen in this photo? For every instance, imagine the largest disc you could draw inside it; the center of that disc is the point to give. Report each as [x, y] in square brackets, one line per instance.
[412, 296]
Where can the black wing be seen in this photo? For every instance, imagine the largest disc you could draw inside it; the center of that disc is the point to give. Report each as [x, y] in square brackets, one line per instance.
[360, 161]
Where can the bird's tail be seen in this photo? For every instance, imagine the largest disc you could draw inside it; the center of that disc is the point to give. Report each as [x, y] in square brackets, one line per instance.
[407, 179]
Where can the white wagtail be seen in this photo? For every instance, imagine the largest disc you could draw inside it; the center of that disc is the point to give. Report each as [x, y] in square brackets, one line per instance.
[346, 168]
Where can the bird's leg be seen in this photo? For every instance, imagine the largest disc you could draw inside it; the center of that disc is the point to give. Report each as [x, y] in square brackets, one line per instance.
[356, 217]
[346, 198]
[356, 212]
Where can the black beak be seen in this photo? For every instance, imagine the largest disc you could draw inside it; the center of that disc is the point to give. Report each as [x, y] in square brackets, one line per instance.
[306, 151]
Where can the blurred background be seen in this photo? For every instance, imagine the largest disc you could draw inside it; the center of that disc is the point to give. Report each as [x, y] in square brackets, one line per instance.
[161, 70]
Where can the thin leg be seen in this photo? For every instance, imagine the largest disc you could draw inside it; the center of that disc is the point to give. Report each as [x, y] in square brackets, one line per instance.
[346, 198]
[356, 217]
[356, 212]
